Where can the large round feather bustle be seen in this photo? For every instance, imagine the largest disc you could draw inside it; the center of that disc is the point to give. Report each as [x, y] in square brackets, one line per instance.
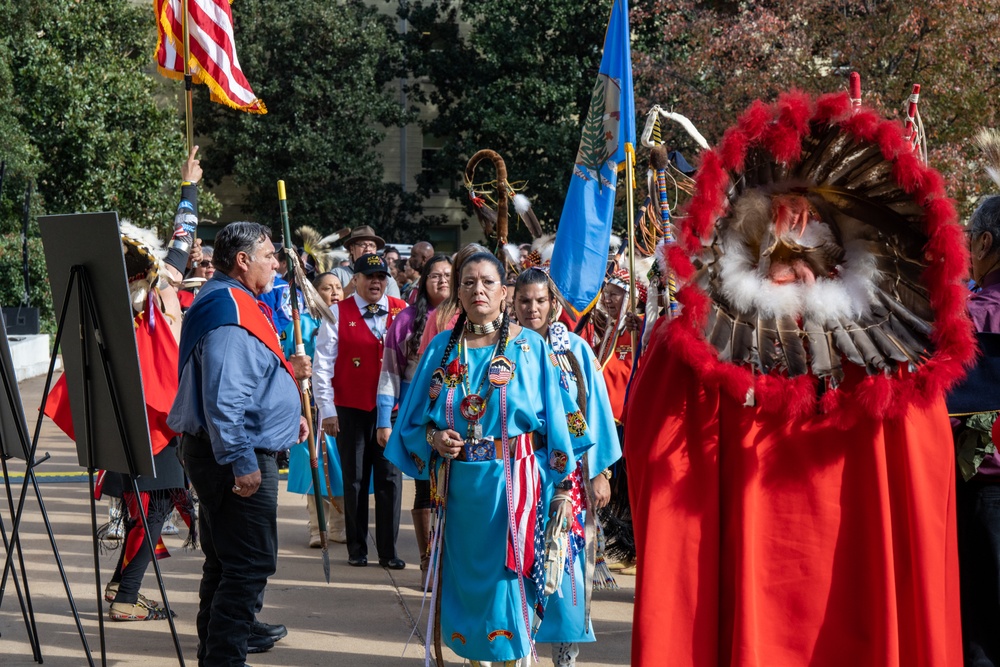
[816, 245]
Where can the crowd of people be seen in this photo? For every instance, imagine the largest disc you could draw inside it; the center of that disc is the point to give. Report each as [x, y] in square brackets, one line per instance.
[466, 373]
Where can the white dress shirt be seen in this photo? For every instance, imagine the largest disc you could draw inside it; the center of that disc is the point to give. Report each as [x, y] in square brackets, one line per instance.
[325, 356]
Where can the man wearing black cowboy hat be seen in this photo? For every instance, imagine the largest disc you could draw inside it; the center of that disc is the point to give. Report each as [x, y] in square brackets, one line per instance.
[346, 369]
[362, 241]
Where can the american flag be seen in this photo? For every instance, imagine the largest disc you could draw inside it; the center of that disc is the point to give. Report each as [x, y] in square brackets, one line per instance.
[213, 51]
[526, 491]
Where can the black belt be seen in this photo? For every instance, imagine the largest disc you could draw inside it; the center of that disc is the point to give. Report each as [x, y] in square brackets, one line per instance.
[203, 437]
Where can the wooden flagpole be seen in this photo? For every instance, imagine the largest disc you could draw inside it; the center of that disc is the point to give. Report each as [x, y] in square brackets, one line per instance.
[188, 83]
[630, 216]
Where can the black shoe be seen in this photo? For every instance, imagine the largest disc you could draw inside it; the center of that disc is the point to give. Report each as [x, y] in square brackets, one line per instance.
[392, 563]
[361, 561]
[261, 629]
[259, 643]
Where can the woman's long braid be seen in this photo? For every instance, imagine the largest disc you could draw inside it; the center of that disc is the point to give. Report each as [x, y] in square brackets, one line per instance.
[504, 331]
[419, 321]
[581, 388]
[456, 333]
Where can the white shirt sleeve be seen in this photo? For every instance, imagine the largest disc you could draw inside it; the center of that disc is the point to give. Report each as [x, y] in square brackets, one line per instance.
[324, 359]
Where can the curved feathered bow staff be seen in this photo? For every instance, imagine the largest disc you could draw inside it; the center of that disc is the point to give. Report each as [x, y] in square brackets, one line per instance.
[495, 221]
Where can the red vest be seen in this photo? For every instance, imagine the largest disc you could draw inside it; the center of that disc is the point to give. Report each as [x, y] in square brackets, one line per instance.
[359, 356]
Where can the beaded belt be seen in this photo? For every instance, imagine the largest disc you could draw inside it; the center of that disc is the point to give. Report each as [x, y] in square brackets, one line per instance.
[489, 449]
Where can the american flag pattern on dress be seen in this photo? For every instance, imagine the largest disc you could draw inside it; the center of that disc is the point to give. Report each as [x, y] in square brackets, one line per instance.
[213, 51]
[526, 491]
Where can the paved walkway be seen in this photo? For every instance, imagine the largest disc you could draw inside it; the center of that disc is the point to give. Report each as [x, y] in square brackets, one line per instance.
[363, 617]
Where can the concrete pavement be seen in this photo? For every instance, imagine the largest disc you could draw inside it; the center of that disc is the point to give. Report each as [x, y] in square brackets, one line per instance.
[363, 617]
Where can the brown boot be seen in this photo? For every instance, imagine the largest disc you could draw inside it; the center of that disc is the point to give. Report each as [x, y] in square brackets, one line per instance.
[422, 528]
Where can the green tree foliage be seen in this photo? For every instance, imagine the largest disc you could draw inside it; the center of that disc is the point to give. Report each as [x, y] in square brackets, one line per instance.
[327, 72]
[710, 59]
[509, 75]
[81, 122]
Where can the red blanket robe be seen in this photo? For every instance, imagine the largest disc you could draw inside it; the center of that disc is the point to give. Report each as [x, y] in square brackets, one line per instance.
[826, 541]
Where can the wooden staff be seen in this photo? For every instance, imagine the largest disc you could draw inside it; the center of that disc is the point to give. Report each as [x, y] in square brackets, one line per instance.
[630, 215]
[304, 384]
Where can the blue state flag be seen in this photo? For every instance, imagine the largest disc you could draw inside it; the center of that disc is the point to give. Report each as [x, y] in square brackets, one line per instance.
[580, 254]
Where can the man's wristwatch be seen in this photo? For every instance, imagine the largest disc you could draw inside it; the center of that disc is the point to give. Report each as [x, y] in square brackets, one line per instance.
[607, 474]
[431, 432]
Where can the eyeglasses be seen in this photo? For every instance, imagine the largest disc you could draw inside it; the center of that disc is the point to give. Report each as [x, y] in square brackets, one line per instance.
[367, 246]
[438, 277]
[205, 263]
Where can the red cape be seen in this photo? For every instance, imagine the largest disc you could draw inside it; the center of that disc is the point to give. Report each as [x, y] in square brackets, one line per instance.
[158, 360]
[768, 541]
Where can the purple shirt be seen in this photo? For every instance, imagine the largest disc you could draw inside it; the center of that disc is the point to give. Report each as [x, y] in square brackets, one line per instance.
[984, 308]
[397, 370]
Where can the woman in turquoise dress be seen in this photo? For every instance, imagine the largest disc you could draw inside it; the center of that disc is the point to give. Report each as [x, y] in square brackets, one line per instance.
[488, 421]
[567, 611]
[299, 470]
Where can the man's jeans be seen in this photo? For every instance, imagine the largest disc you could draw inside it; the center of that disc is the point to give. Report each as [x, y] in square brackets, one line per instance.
[239, 537]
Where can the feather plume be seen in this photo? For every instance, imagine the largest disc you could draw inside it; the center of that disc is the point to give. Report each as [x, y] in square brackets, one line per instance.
[321, 248]
[988, 141]
[824, 358]
[487, 219]
[721, 336]
[886, 344]
[314, 302]
[792, 349]
[744, 349]
[523, 207]
[767, 343]
[844, 343]
[512, 256]
[873, 358]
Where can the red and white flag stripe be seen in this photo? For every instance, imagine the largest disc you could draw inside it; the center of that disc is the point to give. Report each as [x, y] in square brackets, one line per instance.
[527, 486]
[213, 51]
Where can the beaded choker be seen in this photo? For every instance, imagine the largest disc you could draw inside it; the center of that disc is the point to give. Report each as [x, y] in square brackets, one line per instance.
[487, 328]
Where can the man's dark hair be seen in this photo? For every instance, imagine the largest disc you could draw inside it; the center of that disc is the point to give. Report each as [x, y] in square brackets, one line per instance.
[237, 237]
[986, 218]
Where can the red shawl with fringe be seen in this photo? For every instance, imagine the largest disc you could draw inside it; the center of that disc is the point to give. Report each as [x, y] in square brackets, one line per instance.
[800, 531]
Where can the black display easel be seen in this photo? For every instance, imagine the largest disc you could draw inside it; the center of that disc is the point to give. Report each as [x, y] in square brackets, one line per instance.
[91, 329]
[29, 451]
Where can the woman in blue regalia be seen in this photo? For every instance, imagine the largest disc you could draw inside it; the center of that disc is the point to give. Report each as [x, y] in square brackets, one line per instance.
[331, 291]
[567, 611]
[486, 384]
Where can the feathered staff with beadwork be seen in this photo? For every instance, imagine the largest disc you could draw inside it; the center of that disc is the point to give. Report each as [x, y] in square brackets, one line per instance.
[659, 163]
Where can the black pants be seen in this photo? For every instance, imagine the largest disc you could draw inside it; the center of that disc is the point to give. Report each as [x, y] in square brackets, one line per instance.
[421, 494]
[362, 460]
[129, 578]
[979, 569]
[239, 537]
